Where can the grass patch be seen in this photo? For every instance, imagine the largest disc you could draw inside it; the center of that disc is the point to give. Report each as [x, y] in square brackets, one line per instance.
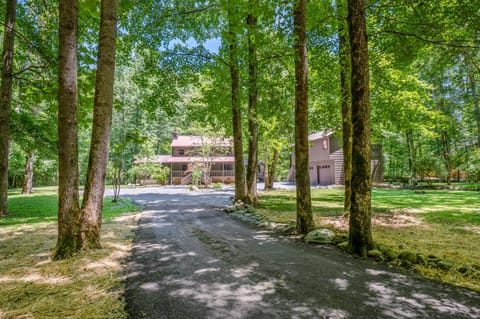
[443, 223]
[88, 285]
[41, 207]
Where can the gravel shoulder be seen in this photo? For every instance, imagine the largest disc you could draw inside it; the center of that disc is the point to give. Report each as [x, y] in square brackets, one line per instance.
[191, 260]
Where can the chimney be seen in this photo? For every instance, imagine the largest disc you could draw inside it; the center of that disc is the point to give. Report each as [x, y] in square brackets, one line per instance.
[174, 134]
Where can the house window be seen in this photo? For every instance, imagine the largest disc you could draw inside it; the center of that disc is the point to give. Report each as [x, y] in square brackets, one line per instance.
[184, 167]
[228, 167]
[181, 152]
[325, 144]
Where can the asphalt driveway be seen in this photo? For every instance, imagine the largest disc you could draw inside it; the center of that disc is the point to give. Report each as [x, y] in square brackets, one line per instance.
[192, 260]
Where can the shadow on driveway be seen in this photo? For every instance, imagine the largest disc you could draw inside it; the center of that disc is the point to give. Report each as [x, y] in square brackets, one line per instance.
[191, 260]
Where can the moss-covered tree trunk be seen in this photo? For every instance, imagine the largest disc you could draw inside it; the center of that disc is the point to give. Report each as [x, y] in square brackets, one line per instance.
[446, 157]
[412, 158]
[240, 185]
[272, 168]
[6, 100]
[28, 173]
[102, 122]
[68, 200]
[266, 172]
[360, 231]
[252, 110]
[476, 102]
[304, 206]
[346, 100]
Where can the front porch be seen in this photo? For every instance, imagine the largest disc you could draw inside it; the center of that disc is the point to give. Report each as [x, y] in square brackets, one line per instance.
[180, 173]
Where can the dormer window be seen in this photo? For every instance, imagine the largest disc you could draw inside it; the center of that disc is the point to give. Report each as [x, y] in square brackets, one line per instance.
[181, 152]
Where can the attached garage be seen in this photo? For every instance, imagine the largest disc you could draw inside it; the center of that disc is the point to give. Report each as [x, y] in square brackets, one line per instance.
[322, 172]
[326, 160]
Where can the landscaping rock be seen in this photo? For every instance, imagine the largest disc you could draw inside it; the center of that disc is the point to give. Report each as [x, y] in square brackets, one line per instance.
[406, 264]
[463, 270]
[250, 209]
[390, 255]
[375, 254]
[422, 259]
[320, 236]
[445, 265]
[343, 245]
[408, 256]
[240, 208]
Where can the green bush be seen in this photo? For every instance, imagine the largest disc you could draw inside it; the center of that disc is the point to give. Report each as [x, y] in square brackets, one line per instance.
[160, 174]
[196, 174]
[472, 167]
[143, 171]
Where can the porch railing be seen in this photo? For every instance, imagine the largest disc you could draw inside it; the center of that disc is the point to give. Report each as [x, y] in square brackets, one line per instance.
[213, 173]
[220, 173]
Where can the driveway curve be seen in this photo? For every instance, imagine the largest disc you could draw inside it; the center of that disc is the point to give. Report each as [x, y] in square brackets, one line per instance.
[191, 260]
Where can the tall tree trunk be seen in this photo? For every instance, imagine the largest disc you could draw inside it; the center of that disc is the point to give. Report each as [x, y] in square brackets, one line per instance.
[346, 101]
[240, 185]
[304, 204]
[476, 103]
[412, 159]
[6, 100]
[446, 156]
[102, 122]
[272, 167]
[266, 173]
[28, 173]
[69, 241]
[360, 232]
[116, 181]
[252, 110]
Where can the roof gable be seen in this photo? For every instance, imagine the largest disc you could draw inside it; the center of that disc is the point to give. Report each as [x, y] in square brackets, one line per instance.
[320, 135]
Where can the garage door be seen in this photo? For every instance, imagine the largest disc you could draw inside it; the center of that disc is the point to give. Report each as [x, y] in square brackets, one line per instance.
[325, 175]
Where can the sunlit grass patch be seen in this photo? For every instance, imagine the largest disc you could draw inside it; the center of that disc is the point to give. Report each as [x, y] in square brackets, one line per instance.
[441, 223]
[41, 206]
[453, 217]
[89, 285]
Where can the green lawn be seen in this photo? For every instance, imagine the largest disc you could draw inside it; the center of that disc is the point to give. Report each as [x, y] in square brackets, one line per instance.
[441, 206]
[41, 206]
[88, 285]
[443, 223]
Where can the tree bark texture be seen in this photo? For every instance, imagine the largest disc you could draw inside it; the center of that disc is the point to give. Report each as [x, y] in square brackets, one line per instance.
[6, 100]
[346, 100]
[360, 232]
[304, 205]
[28, 173]
[272, 167]
[476, 103]
[102, 122]
[240, 185]
[69, 241]
[265, 166]
[252, 111]
[412, 159]
[446, 156]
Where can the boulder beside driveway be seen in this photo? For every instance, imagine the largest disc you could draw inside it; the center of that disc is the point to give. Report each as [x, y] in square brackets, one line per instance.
[320, 236]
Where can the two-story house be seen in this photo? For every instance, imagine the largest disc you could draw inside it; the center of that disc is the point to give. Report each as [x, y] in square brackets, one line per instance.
[326, 160]
[213, 155]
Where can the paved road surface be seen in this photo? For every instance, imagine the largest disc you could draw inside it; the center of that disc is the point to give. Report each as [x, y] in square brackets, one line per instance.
[191, 260]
